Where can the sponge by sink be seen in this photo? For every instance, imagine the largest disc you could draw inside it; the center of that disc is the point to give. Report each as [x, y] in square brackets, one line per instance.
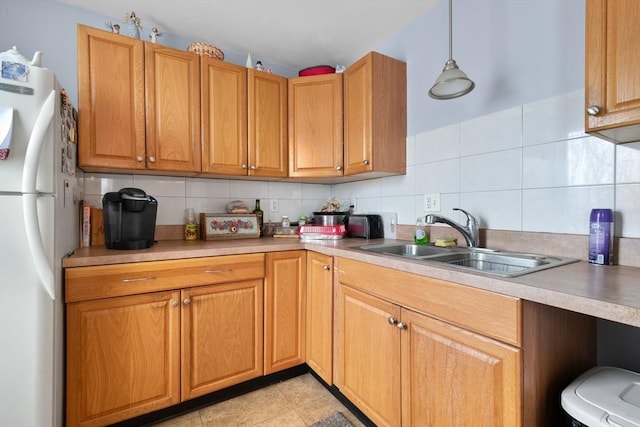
[445, 242]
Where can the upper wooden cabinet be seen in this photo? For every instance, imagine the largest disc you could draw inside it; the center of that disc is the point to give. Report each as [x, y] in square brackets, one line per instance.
[375, 116]
[224, 118]
[315, 126]
[612, 92]
[125, 86]
[244, 115]
[111, 104]
[267, 117]
[172, 91]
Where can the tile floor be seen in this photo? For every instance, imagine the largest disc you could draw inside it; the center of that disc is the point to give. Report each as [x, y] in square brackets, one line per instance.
[298, 402]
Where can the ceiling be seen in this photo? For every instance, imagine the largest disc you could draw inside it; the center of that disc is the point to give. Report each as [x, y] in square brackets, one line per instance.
[291, 33]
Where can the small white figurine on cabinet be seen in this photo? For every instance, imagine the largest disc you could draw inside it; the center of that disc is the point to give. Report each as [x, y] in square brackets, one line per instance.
[154, 35]
[133, 25]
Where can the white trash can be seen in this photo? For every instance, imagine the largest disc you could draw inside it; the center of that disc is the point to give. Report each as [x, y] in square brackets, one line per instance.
[604, 397]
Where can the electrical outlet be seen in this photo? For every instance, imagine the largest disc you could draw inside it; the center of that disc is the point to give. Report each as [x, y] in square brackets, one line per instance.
[432, 202]
[274, 205]
[353, 203]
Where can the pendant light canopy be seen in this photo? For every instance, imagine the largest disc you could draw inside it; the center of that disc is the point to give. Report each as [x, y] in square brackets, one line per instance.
[453, 82]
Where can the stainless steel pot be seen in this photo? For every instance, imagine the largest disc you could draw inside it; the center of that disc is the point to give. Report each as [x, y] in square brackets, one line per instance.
[328, 218]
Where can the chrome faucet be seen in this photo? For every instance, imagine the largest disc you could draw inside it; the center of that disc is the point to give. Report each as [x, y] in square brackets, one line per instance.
[470, 231]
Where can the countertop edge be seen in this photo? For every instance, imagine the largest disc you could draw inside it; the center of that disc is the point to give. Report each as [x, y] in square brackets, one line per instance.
[606, 292]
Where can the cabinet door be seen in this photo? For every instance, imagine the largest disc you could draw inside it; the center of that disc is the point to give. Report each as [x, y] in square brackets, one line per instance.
[454, 377]
[221, 336]
[123, 357]
[315, 126]
[369, 355]
[284, 304]
[319, 332]
[612, 64]
[375, 116]
[267, 118]
[111, 110]
[172, 79]
[224, 117]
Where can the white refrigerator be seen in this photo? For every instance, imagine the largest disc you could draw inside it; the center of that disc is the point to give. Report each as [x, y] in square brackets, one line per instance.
[38, 227]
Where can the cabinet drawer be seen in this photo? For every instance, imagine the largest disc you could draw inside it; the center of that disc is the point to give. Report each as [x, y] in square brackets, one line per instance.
[87, 283]
[488, 313]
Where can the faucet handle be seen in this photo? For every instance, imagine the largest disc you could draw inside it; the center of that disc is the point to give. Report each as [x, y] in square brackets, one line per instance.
[470, 218]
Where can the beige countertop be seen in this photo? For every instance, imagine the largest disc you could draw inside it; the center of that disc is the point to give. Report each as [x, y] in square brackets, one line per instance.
[607, 292]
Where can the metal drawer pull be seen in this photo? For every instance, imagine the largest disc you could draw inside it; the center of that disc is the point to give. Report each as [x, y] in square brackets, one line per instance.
[218, 271]
[326, 267]
[175, 303]
[139, 279]
[187, 301]
[401, 325]
[392, 320]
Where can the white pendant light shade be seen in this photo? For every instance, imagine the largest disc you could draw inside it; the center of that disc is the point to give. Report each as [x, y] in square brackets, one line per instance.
[453, 82]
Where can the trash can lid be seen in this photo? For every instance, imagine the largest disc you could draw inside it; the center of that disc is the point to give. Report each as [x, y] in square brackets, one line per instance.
[604, 396]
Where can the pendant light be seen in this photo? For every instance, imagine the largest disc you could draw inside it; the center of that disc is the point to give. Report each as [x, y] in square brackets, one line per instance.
[453, 82]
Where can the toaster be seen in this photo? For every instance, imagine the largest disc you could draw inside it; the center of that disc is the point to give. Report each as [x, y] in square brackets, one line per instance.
[367, 226]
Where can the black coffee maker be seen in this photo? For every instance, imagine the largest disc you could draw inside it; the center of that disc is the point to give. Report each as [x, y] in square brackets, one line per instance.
[129, 219]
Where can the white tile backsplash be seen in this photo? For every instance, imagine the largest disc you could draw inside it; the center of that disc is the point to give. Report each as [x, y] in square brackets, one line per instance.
[628, 210]
[528, 168]
[438, 144]
[554, 119]
[161, 185]
[500, 170]
[563, 209]
[583, 161]
[498, 210]
[628, 163]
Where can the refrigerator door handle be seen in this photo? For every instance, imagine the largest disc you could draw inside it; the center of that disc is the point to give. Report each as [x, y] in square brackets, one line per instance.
[40, 259]
[30, 196]
[36, 141]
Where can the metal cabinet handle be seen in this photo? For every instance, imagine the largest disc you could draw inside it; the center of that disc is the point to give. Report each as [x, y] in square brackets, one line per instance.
[326, 267]
[187, 301]
[365, 162]
[152, 159]
[593, 110]
[139, 279]
[244, 166]
[226, 270]
[253, 167]
[401, 325]
[175, 303]
[338, 168]
[139, 159]
[392, 320]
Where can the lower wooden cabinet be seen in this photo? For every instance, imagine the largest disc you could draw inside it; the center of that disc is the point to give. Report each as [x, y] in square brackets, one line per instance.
[369, 355]
[451, 376]
[128, 355]
[319, 333]
[284, 301]
[123, 357]
[416, 351]
[222, 330]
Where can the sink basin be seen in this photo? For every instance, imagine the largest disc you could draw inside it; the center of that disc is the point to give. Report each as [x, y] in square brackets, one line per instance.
[406, 250]
[501, 264]
[488, 261]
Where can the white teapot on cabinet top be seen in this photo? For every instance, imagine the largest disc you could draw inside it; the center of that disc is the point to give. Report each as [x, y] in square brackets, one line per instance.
[14, 56]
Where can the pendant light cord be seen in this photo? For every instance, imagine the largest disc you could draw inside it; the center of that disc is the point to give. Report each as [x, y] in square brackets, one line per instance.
[450, 29]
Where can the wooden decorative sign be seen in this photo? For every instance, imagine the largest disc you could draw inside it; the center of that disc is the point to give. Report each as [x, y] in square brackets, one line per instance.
[228, 226]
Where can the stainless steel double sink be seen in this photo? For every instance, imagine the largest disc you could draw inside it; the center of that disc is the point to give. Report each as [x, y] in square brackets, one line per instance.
[489, 261]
